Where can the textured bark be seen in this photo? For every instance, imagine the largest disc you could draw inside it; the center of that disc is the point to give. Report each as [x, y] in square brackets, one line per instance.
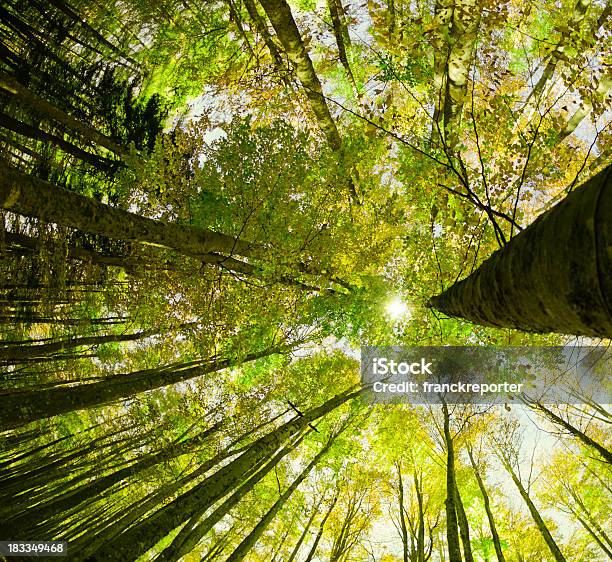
[33, 197]
[452, 527]
[453, 37]
[554, 276]
[19, 408]
[464, 32]
[487, 505]
[140, 538]
[37, 104]
[262, 29]
[279, 13]
[249, 541]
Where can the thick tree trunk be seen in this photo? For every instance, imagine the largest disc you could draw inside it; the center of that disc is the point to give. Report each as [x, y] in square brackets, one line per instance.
[33, 197]
[487, 505]
[554, 276]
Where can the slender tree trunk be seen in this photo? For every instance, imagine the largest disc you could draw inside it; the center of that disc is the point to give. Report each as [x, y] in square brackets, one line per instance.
[535, 514]
[315, 544]
[487, 505]
[191, 534]
[464, 527]
[23, 129]
[139, 538]
[402, 515]
[307, 526]
[554, 276]
[13, 354]
[580, 435]
[452, 527]
[19, 408]
[341, 34]
[249, 541]
[37, 104]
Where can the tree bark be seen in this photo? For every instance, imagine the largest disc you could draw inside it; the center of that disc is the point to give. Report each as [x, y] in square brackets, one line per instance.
[554, 276]
[33, 197]
[535, 514]
[249, 541]
[464, 527]
[279, 13]
[315, 544]
[37, 104]
[580, 435]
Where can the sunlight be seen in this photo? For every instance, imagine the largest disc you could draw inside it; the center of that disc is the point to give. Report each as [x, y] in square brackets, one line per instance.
[397, 309]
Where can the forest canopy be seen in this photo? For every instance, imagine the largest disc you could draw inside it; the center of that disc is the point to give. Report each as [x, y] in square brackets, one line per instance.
[209, 208]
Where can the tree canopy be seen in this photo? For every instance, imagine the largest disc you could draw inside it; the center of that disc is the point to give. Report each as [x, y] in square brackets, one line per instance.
[207, 208]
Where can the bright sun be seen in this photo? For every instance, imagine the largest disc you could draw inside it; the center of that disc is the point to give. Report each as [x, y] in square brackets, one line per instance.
[397, 309]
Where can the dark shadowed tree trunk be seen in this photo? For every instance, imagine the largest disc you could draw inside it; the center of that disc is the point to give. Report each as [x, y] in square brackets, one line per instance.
[554, 276]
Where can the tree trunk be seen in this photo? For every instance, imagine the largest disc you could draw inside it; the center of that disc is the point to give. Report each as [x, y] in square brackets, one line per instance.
[33, 197]
[452, 528]
[580, 435]
[315, 544]
[18, 408]
[141, 537]
[300, 541]
[23, 129]
[288, 33]
[249, 541]
[464, 527]
[554, 276]
[190, 535]
[402, 515]
[37, 104]
[487, 505]
[537, 518]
